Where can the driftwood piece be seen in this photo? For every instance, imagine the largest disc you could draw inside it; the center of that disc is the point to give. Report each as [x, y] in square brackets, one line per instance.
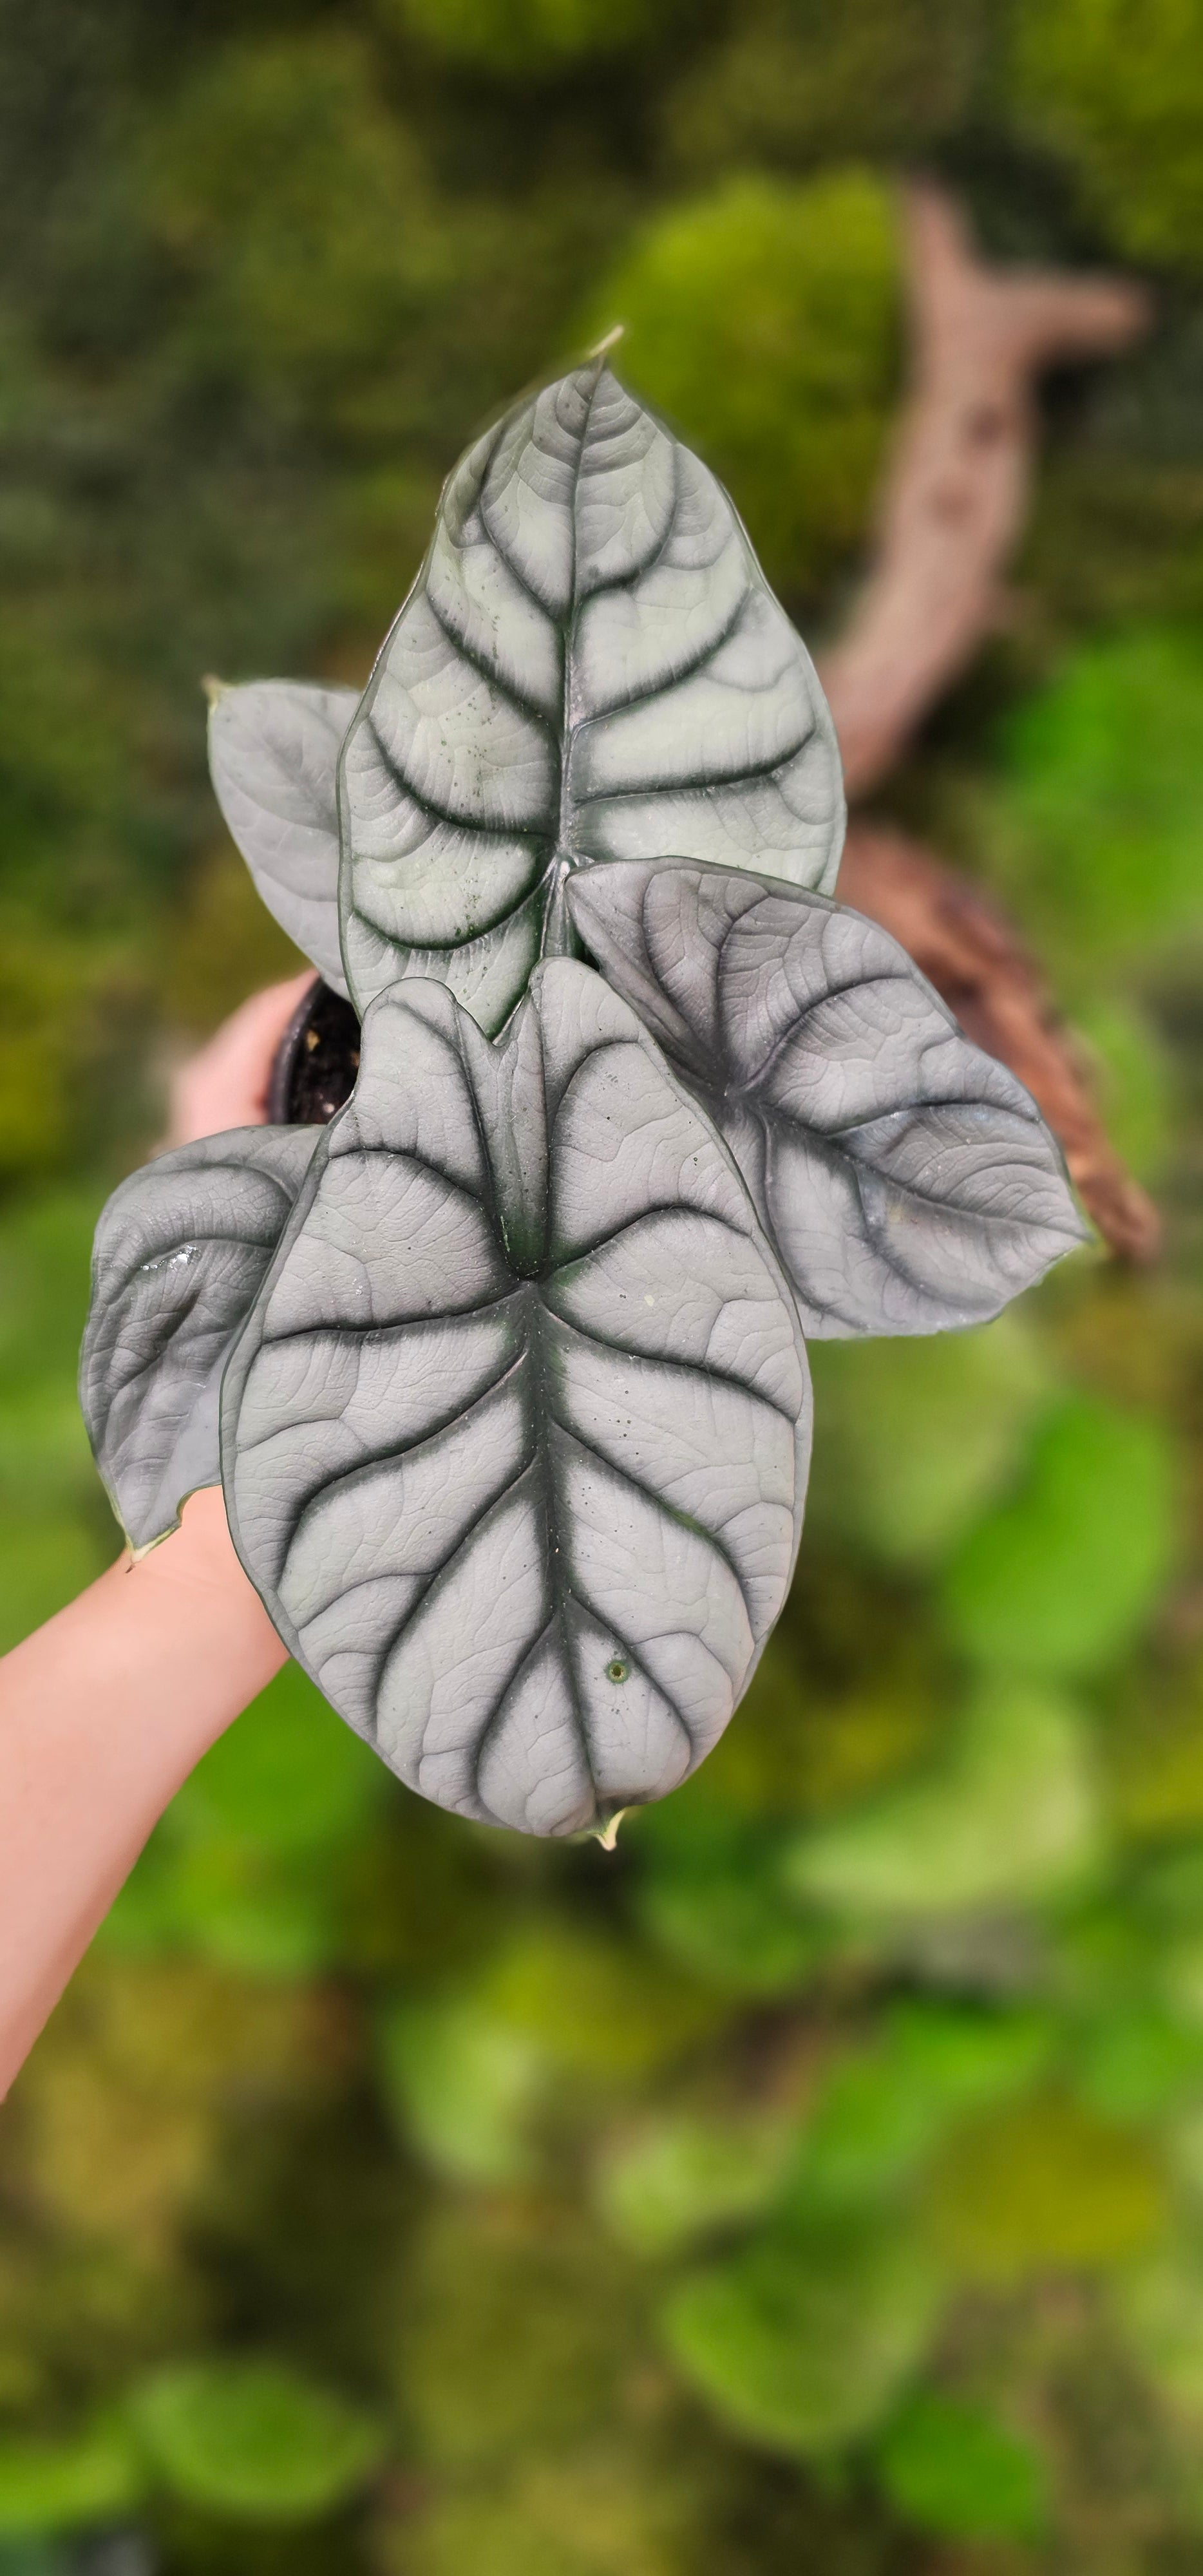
[957, 487]
[970, 952]
[953, 506]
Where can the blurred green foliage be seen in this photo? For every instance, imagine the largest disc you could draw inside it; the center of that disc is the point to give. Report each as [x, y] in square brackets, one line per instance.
[1118, 85]
[1099, 803]
[254, 2439]
[949, 2467]
[792, 83]
[92, 2477]
[764, 319]
[817, 2181]
[520, 37]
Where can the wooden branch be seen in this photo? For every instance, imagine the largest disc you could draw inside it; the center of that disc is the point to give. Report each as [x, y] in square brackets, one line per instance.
[957, 489]
[978, 963]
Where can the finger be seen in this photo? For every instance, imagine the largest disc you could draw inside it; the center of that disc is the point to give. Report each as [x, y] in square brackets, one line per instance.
[226, 1085]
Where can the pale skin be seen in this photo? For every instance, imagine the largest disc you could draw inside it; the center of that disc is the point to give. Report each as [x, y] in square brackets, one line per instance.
[106, 1709]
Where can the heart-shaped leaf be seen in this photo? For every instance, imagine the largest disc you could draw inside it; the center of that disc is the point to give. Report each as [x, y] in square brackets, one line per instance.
[180, 1254]
[515, 1441]
[590, 666]
[907, 1179]
[273, 754]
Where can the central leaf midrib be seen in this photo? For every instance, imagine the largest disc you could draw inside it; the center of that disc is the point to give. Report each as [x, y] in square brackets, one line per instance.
[563, 1588]
[542, 1417]
[546, 1426]
[567, 727]
[560, 835]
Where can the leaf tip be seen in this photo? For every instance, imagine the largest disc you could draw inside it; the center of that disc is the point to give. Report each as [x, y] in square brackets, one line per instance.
[601, 348]
[215, 689]
[606, 1836]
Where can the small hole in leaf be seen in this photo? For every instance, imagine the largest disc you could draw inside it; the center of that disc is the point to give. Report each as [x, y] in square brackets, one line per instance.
[617, 1671]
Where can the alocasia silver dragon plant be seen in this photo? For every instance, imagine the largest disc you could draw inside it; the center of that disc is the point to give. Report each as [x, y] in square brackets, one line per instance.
[504, 1370]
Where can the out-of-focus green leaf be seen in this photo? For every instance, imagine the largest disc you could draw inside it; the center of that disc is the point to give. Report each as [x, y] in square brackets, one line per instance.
[1008, 1813]
[763, 319]
[94, 2476]
[953, 2469]
[733, 1928]
[463, 2086]
[1135, 2062]
[915, 1438]
[465, 2075]
[884, 2108]
[710, 1893]
[805, 1744]
[681, 2177]
[225, 1901]
[1171, 1888]
[802, 2341]
[1062, 1578]
[1134, 1081]
[1042, 2185]
[1100, 806]
[289, 1775]
[254, 2439]
[249, 1866]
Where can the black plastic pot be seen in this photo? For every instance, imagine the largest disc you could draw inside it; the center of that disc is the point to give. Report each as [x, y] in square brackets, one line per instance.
[316, 1061]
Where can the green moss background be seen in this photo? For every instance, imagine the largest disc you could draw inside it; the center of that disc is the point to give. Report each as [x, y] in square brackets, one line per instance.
[817, 2183]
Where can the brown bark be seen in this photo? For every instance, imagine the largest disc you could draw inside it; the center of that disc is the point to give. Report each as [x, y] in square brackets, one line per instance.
[977, 963]
[957, 488]
[953, 507]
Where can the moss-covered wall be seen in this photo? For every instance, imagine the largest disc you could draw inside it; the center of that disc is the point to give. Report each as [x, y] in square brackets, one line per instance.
[817, 2182]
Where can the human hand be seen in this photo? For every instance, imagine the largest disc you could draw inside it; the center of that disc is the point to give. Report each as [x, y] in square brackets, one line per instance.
[226, 1084]
[106, 1709]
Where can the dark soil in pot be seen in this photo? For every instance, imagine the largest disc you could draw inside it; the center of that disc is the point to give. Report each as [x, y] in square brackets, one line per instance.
[316, 1061]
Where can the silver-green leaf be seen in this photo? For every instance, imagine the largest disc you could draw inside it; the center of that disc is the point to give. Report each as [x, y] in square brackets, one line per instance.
[273, 755]
[590, 666]
[181, 1251]
[515, 1442]
[906, 1178]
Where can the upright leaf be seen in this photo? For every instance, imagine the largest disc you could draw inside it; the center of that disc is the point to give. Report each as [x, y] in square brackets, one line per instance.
[907, 1179]
[590, 666]
[515, 1443]
[273, 754]
[181, 1251]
